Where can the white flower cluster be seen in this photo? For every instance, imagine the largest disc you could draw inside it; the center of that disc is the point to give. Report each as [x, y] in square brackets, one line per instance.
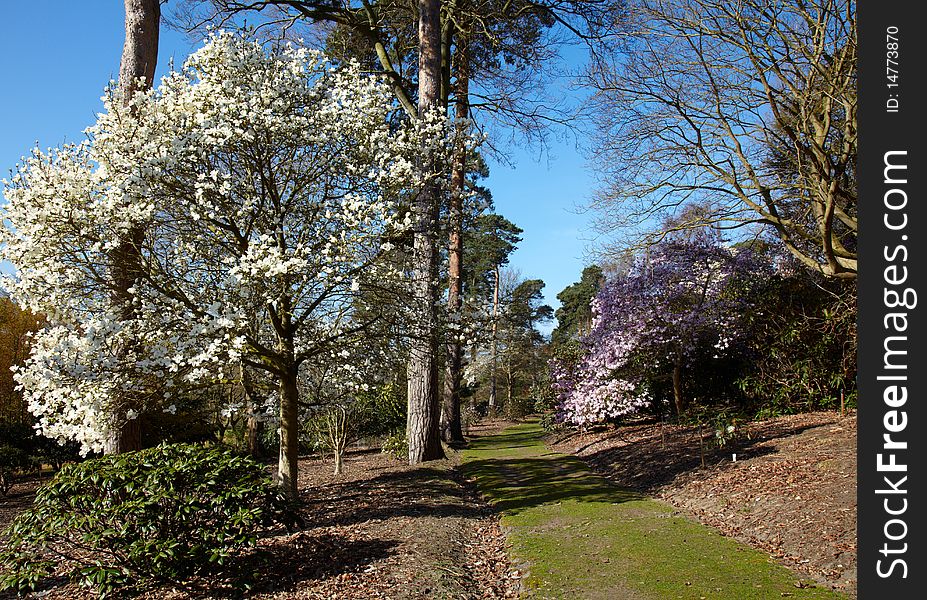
[255, 188]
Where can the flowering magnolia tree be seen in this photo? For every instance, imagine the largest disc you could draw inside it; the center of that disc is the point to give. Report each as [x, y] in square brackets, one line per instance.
[268, 186]
[676, 305]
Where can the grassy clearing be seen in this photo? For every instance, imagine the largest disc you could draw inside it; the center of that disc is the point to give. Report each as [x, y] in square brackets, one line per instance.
[581, 537]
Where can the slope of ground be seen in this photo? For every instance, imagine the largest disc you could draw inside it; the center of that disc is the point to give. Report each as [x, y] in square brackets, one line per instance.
[581, 536]
[791, 492]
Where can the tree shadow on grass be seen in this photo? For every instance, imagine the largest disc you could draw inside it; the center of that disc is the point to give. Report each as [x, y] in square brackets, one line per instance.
[515, 484]
[514, 438]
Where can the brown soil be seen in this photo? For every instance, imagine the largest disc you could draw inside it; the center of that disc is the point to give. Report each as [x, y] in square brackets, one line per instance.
[791, 492]
[383, 529]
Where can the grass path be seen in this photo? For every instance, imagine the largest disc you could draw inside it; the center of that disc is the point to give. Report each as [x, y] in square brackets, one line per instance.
[581, 537]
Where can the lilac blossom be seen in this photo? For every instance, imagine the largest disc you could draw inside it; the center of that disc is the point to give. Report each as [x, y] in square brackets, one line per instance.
[678, 302]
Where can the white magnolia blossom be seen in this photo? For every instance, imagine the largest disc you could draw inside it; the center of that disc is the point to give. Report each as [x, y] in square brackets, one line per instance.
[264, 188]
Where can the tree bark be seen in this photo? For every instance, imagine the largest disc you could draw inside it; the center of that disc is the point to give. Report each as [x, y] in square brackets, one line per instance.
[287, 464]
[509, 381]
[451, 422]
[494, 345]
[422, 424]
[140, 51]
[678, 397]
[139, 59]
[255, 425]
[451, 429]
[255, 429]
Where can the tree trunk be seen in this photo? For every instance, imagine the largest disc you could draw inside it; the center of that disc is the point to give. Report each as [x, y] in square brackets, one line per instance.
[255, 425]
[255, 430]
[422, 421]
[287, 464]
[337, 421]
[127, 438]
[451, 429]
[494, 345]
[139, 59]
[678, 397]
[509, 381]
[422, 424]
[140, 51]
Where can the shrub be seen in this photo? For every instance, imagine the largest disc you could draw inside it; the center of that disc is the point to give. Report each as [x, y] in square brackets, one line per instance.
[549, 422]
[55, 453]
[381, 410]
[335, 426]
[164, 513]
[805, 346]
[331, 429]
[520, 407]
[396, 444]
[468, 416]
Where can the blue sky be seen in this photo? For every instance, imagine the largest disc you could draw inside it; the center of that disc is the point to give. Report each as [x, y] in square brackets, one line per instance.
[57, 56]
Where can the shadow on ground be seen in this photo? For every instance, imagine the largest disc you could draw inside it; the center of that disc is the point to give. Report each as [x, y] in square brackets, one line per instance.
[306, 556]
[278, 565]
[652, 461]
[520, 483]
[536, 478]
[411, 493]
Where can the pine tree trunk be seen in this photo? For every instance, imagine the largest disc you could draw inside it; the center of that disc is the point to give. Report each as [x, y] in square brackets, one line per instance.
[509, 382]
[422, 424]
[451, 426]
[451, 429]
[139, 59]
[140, 51]
[494, 347]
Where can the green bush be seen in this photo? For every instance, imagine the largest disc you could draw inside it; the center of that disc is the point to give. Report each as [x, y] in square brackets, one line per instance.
[520, 407]
[381, 410]
[549, 423]
[374, 413]
[396, 444]
[164, 513]
[804, 347]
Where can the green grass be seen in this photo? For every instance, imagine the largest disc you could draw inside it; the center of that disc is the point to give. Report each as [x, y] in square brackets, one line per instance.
[579, 536]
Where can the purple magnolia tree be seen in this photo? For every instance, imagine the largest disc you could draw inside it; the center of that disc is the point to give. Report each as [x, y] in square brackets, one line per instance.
[678, 303]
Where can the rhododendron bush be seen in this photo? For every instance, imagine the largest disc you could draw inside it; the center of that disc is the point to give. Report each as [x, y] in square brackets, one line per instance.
[267, 186]
[677, 305]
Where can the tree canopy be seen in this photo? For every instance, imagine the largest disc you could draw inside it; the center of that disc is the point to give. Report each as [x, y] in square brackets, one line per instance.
[748, 109]
[268, 186]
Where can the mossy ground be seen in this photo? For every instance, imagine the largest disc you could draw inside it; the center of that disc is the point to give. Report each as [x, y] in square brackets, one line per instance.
[581, 537]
